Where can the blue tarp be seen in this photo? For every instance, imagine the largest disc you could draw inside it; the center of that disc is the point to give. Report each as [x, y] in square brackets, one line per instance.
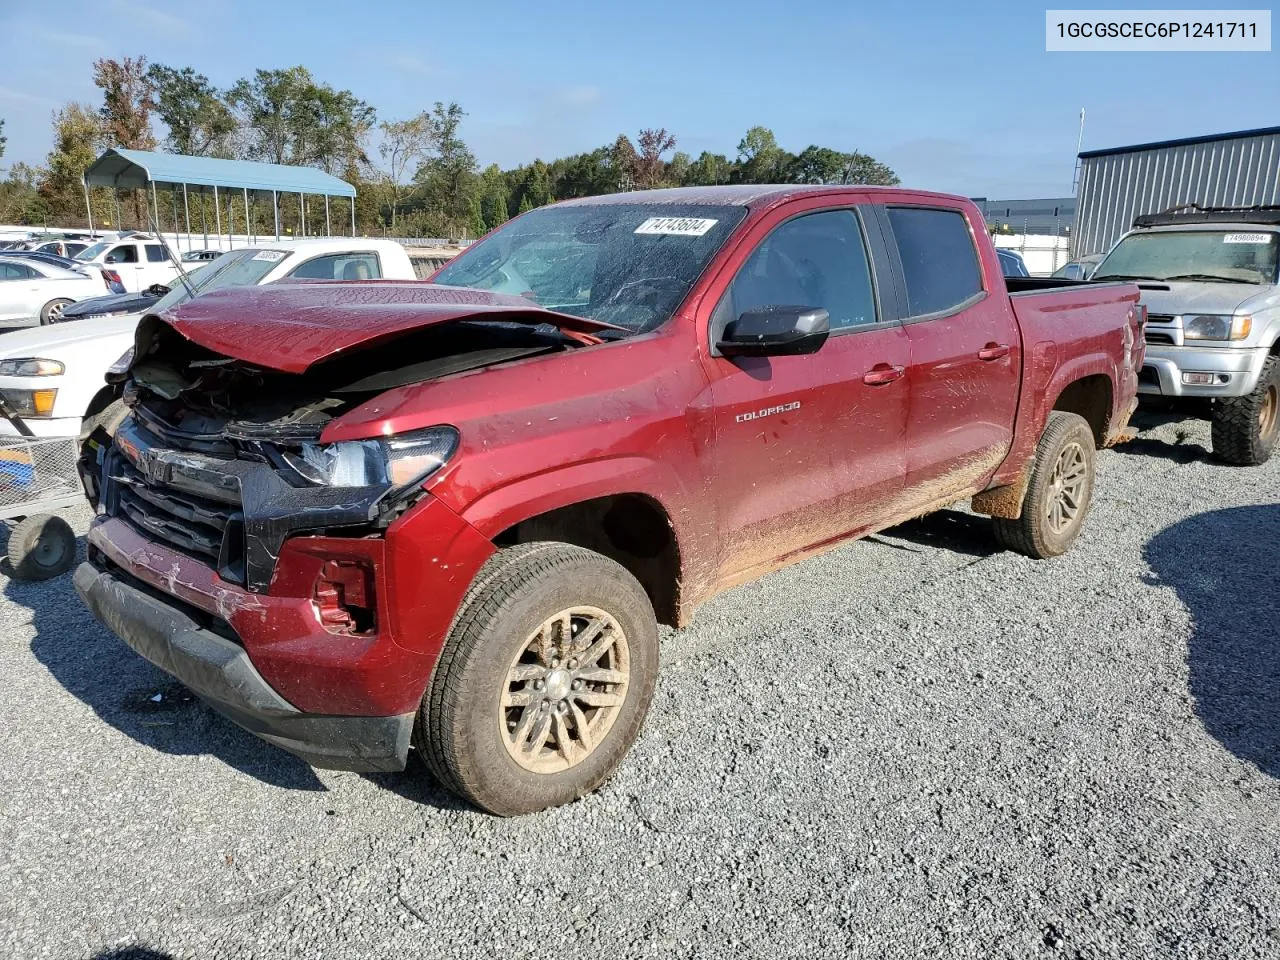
[129, 169]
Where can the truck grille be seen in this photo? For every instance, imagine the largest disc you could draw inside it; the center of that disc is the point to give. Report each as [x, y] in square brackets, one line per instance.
[201, 527]
[1159, 336]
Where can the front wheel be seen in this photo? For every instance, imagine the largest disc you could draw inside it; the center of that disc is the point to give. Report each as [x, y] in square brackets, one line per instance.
[1058, 496]
[543, 682]
[51, 312]
[1245, 428]
[41, 546]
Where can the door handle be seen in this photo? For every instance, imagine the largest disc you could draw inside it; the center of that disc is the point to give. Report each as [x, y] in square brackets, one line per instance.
[881, 374]
[993, 351]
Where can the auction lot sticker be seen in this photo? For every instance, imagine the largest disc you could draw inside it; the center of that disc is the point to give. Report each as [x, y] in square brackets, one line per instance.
[1201, 31]
[1247, 238]
[676, 226]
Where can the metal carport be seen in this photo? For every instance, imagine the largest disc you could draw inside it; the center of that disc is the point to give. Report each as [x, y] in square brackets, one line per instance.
[123, 169]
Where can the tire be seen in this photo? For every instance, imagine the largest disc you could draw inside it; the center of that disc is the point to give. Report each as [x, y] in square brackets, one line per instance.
[1042, 532]
[1245, 428]
[495, 678]
[51, 312]
[41, 546]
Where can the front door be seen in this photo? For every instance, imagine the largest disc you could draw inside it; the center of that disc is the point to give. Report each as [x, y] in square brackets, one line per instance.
[125, 260]
[808, 448]
[965, 355]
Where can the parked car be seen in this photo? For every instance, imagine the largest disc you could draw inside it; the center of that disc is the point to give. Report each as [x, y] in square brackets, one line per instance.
[110, 278]
[63, 248]
[356, 516]
[139, 260]
[1012, 264]
[138, 303]
[1079, 269]
[1209, 280]
[35, 292]
[78, 354]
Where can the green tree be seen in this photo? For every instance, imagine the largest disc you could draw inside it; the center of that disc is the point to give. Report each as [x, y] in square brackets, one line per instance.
[285, 116]
[199, 121]
[77, 139]
[525, 205]
[759, 156]
[20, 201]
[448, 177]
[493, 197]
[405, 144]
[823, 165]
[709, 169]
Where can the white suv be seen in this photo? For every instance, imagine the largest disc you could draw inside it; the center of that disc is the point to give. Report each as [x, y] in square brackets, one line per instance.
[140, 261]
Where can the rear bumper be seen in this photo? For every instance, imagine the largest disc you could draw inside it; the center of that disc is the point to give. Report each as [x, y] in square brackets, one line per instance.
[220, 672]
[1164, 366]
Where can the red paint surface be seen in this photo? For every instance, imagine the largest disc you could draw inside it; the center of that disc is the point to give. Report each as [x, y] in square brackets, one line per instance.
[654, 415]
[291, 326]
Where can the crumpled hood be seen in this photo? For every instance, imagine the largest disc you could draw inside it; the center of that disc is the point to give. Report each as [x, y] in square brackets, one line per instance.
[293, 326]
[1185, 296]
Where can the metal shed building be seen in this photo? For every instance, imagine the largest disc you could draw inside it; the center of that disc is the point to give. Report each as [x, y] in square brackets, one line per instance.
[1225, 170]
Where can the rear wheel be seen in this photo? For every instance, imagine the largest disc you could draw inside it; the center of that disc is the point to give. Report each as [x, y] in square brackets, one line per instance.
[1245, 428]
[544, 680]
[51, 312]
[1058, 496]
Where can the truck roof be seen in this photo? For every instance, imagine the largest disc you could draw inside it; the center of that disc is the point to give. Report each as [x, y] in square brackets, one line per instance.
[741, 195]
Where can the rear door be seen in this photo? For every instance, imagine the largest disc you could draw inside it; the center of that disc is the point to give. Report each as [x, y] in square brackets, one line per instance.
[808, 448]
[157, 268]
[965, 350]
[363, 265]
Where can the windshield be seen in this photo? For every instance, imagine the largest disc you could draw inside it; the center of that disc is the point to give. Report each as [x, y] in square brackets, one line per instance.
[1221, 256]
[240, 268]
[90, 253]
[626, 264]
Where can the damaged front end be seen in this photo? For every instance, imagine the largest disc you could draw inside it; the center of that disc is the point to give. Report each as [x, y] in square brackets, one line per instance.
[222, 460]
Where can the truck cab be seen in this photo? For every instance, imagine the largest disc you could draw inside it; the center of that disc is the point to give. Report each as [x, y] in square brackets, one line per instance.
[1209, 281]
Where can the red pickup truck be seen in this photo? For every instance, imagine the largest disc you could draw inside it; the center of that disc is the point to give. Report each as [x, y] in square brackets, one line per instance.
[356, 517]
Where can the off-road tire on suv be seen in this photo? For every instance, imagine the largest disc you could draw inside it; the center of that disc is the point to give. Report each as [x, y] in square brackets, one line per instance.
[1245, 428]
[508, 655]
[1058, 497]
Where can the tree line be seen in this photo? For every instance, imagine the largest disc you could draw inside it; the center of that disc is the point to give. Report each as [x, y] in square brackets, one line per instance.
[422, 180]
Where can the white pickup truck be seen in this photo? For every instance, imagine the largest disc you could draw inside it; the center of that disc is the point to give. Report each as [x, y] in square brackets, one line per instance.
[70, 360]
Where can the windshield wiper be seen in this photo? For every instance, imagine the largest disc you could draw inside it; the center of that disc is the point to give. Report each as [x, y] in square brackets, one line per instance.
[1123, 276]
[1207, 278]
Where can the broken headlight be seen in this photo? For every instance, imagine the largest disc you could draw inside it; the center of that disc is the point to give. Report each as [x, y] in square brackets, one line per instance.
[399, 461]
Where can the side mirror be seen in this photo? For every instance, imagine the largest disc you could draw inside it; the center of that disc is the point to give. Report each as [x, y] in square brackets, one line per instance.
[777, 331]
[159, 289]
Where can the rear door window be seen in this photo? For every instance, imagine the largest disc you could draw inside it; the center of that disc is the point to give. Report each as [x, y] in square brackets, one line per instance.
[156, 253]
[340, 266]
[15, 271]
[939, 260]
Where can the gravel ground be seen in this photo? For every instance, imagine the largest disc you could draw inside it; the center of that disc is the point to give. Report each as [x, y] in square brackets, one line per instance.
[912, 746]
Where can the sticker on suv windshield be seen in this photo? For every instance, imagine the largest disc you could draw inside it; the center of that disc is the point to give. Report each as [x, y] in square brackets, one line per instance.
[676, 226]
[1247, 238]
[271, 255]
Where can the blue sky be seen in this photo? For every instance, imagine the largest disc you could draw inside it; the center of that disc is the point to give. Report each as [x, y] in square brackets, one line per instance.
[954, 96]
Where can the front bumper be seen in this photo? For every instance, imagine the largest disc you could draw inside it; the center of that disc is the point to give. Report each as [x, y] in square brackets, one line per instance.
[220, 672]
[1236, 369]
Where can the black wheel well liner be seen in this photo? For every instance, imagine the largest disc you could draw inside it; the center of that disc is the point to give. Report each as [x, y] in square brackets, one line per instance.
[1090, 397]
[632, 529]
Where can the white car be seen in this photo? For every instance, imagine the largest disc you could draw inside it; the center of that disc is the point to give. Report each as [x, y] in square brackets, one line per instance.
[33, 292]
[139, 260]
[53, 376]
